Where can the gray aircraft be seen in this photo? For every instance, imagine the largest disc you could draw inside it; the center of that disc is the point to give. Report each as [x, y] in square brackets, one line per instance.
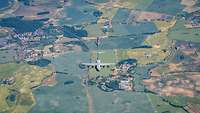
[98, 65]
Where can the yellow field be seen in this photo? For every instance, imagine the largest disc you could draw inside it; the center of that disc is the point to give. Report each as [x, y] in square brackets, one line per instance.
[147, 56]
[164, 25]
[3, 105]
[137, 4]
[26, 77]
[108, 12]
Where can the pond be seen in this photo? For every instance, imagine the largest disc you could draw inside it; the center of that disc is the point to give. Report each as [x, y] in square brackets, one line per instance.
[12, 97]
[101, 1]
[68, 82]
[128, 61]
[40, 62]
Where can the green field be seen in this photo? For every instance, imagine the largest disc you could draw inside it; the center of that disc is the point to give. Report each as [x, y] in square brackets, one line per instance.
[160, 106]
[8, 70]
[179, 32]
[94, 30]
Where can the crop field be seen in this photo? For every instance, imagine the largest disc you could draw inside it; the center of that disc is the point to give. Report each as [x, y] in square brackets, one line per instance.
[94, 30]
[131, 29]
[8, 70]
[78, 15]
[166, 6]
[137, 4]
[120, 102]
[108, 13]
[7, 56]
[26, 78]
[161, 106]
[179, 32]
[3, 105]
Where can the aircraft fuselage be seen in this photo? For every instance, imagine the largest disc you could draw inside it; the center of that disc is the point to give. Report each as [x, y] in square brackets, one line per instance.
[98, 66]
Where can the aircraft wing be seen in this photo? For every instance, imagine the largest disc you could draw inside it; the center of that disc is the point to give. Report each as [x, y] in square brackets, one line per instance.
[106, 64]
[95, 64]
[89, 64]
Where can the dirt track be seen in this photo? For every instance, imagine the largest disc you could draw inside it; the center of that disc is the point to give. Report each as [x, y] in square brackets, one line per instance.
[90, 100]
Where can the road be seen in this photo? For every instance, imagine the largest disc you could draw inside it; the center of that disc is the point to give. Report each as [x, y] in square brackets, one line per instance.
[90, 100]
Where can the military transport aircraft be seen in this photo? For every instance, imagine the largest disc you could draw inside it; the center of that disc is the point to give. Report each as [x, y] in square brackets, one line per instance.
[98, 65]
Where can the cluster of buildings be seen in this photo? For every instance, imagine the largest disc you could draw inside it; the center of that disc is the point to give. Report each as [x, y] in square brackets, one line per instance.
[22, 43]
[29, 36]
[107, 26]
[193, 21]
[192, 108]
[126, 83]
[33, 54]
[25, 45]
[119, 79]
[110, 83]
[51, 46]
[7, 81]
